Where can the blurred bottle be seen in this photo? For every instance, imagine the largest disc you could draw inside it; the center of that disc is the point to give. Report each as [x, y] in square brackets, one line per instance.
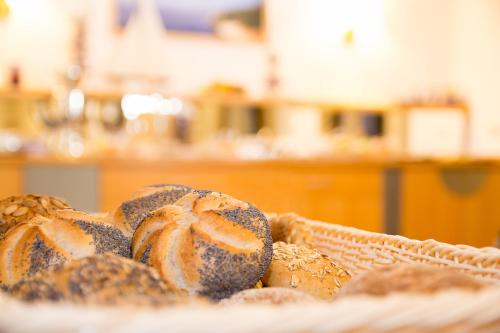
[184, 122]
[15, 77]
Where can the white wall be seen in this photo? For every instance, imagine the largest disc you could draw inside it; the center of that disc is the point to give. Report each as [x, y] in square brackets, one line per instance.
[476, 69]
[394, 53]
[401, 49]
[191, 63]
[36, 37]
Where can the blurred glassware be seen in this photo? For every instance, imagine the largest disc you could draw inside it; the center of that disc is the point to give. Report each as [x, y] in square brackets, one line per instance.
[66, 142]
[76, 104]
[15, 77]
[51, 114]
[64, 116]
[184, 122]
[111, 116]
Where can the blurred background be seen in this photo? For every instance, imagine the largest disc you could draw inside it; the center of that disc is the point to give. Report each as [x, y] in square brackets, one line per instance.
[378, 114]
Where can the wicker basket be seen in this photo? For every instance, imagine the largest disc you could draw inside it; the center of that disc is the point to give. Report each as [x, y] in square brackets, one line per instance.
[450, 311]
[363, 250]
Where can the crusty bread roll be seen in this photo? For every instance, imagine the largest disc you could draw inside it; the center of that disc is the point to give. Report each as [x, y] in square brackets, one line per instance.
[307, 270]
[21, 208]
[409, 278]
[41, 242]
[268, 296]
[130, 213]
[207, 243]
[100, 279]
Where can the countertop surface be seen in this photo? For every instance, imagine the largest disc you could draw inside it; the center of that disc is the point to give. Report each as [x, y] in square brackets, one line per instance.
[207, 160]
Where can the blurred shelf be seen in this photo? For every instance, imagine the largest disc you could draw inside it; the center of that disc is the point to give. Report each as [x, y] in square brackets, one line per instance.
[24, 94]
[463, 107]
[269, 103]
[246, 101]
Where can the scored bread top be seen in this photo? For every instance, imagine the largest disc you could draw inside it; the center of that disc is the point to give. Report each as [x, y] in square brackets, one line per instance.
[206, 243]
[105, 236]
[130, 213]
[41, 242]
[99, 279]
[21, 208]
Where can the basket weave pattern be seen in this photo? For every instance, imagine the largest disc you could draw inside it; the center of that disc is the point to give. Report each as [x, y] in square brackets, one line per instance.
[360, 250]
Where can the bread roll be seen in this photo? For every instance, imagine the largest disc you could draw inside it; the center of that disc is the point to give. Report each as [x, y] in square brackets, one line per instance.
[100, 279]
[130, 213]
[409, 278]
[33, 246]
[207, 243]
[305, 269]
[21, 208]
[268, 296]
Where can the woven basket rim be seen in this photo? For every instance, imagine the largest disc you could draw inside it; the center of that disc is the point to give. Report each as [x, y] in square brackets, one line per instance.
[489, 250]
[362, 313]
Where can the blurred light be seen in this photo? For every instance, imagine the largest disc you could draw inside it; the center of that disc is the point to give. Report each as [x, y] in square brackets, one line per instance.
[27, 7]
[13, 144]
[130, 106]
[333, 22]
[166, 107]
[76, 102]
[135, 105]
[4, 9]
[76, 149]
[176, 105]
[251, 151]
[75, 146]
[10, 142]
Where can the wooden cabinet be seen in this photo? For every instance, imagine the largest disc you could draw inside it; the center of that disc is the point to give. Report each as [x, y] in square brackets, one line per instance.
[343, 194]
[10, 177]
[453, 204]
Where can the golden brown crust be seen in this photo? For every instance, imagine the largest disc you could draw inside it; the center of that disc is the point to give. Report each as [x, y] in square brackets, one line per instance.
[21, 208]
[409, 278]
[206, 243]
[41, 242]
[130, 213]
[100, 279]
[305, 269]
[268, 296]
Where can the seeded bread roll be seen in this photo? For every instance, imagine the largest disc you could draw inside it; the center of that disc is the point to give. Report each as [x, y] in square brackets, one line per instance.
[21, 208]
[305, 269]
[33, 246]
[409, 278]
[101, 280]
[268, 296]
[130, 213]
[208, 243]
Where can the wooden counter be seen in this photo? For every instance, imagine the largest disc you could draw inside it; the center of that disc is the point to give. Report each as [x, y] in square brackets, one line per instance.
[345, 194]
[452, 202]
[10, 176]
